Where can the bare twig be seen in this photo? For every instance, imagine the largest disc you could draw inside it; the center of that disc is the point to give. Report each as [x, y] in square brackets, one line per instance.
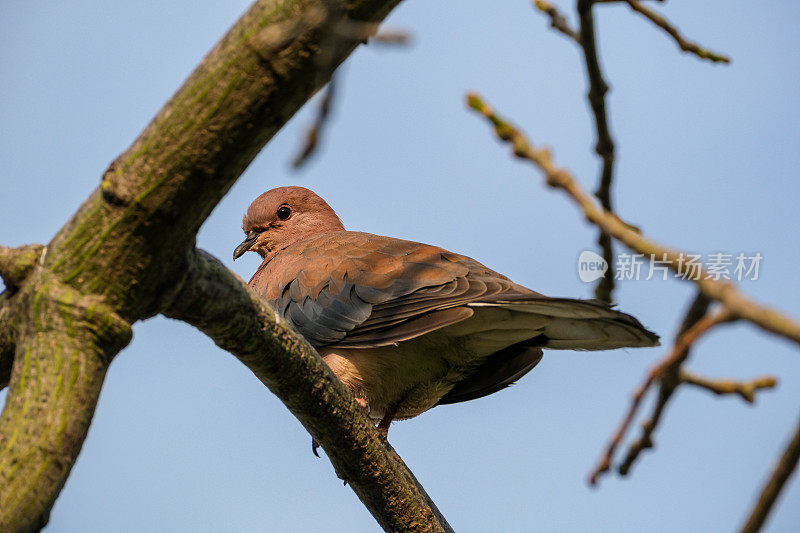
[746, 389]
[769, 494]
[369, 32]
[312, 136]
[683, 43]
[673, 377]
[598, 87]
[697, 310]
[667, 383]
[725, 292]
[557, 20]
[338, 31]
[674, 358]
[605, 143]
[735, 305]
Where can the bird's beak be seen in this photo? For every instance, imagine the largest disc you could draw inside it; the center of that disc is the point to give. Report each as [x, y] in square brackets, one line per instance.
[246, 244]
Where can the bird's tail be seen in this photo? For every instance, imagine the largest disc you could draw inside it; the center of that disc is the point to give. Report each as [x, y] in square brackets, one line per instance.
[579, 324]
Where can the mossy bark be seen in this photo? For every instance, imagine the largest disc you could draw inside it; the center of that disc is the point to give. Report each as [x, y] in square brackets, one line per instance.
[224, 308]
[63, 346]
[128, 250]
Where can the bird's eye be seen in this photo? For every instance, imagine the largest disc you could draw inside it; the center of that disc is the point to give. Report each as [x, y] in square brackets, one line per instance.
[284, 212]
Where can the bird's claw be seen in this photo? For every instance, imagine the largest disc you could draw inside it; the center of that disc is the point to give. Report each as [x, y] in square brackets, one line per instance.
[314, 447]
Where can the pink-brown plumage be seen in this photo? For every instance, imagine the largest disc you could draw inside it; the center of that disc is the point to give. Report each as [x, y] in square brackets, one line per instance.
[407, 325]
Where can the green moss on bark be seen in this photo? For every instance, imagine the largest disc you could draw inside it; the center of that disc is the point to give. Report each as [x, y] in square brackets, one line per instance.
[122, 256]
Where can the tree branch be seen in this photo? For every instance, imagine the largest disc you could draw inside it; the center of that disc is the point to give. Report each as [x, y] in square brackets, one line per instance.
[667, 372]
[335, 31]
[7, 341]
[725, 292]
[598, 88]
[123, 254]
[605, 143]
[683, 43]
[65, 343]
[15, 266]
[745, 389]
[668, 382]
[17, 263]
[664, 372]
[314, 132]
[769, 494]
[557, 20]
[222, 306]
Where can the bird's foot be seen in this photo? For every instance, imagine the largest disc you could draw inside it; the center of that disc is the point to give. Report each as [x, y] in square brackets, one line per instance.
[386, 421]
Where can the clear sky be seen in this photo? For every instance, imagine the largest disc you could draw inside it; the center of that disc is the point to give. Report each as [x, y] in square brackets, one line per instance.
[186, 439]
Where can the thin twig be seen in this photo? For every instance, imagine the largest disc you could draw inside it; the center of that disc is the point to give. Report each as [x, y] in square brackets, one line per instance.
[312, 136]
[683, 43]
[368, 32]
[735, 305]
[769, 494]
[672, 360]
[337, 32]
[667, 383]
[725, 292]
[557, 20]
[746, 389]
[605, 142]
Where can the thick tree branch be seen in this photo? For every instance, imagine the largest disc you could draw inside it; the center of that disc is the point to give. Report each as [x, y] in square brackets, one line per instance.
[787, 464]
[725, 292]
[65, 342]
[223, 307]
[155, 196]
[123, 254]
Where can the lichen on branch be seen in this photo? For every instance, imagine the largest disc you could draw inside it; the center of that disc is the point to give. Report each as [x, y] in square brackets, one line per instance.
[220, 305]
[123, 255]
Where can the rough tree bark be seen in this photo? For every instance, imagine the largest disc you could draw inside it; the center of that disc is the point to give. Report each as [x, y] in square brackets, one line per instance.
[128, 254]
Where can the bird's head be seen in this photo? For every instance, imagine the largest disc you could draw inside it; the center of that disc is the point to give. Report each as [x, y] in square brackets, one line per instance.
[283, 216]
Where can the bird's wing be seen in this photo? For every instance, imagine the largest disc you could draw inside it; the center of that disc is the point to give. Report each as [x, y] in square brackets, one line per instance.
[357, 290]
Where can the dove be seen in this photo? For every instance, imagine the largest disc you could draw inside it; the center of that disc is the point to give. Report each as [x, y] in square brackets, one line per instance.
[408, 326]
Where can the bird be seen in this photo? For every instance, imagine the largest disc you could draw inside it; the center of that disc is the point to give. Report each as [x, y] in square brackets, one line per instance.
[408, 326]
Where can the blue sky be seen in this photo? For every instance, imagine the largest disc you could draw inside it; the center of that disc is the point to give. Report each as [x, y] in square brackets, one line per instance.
[186, 439]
